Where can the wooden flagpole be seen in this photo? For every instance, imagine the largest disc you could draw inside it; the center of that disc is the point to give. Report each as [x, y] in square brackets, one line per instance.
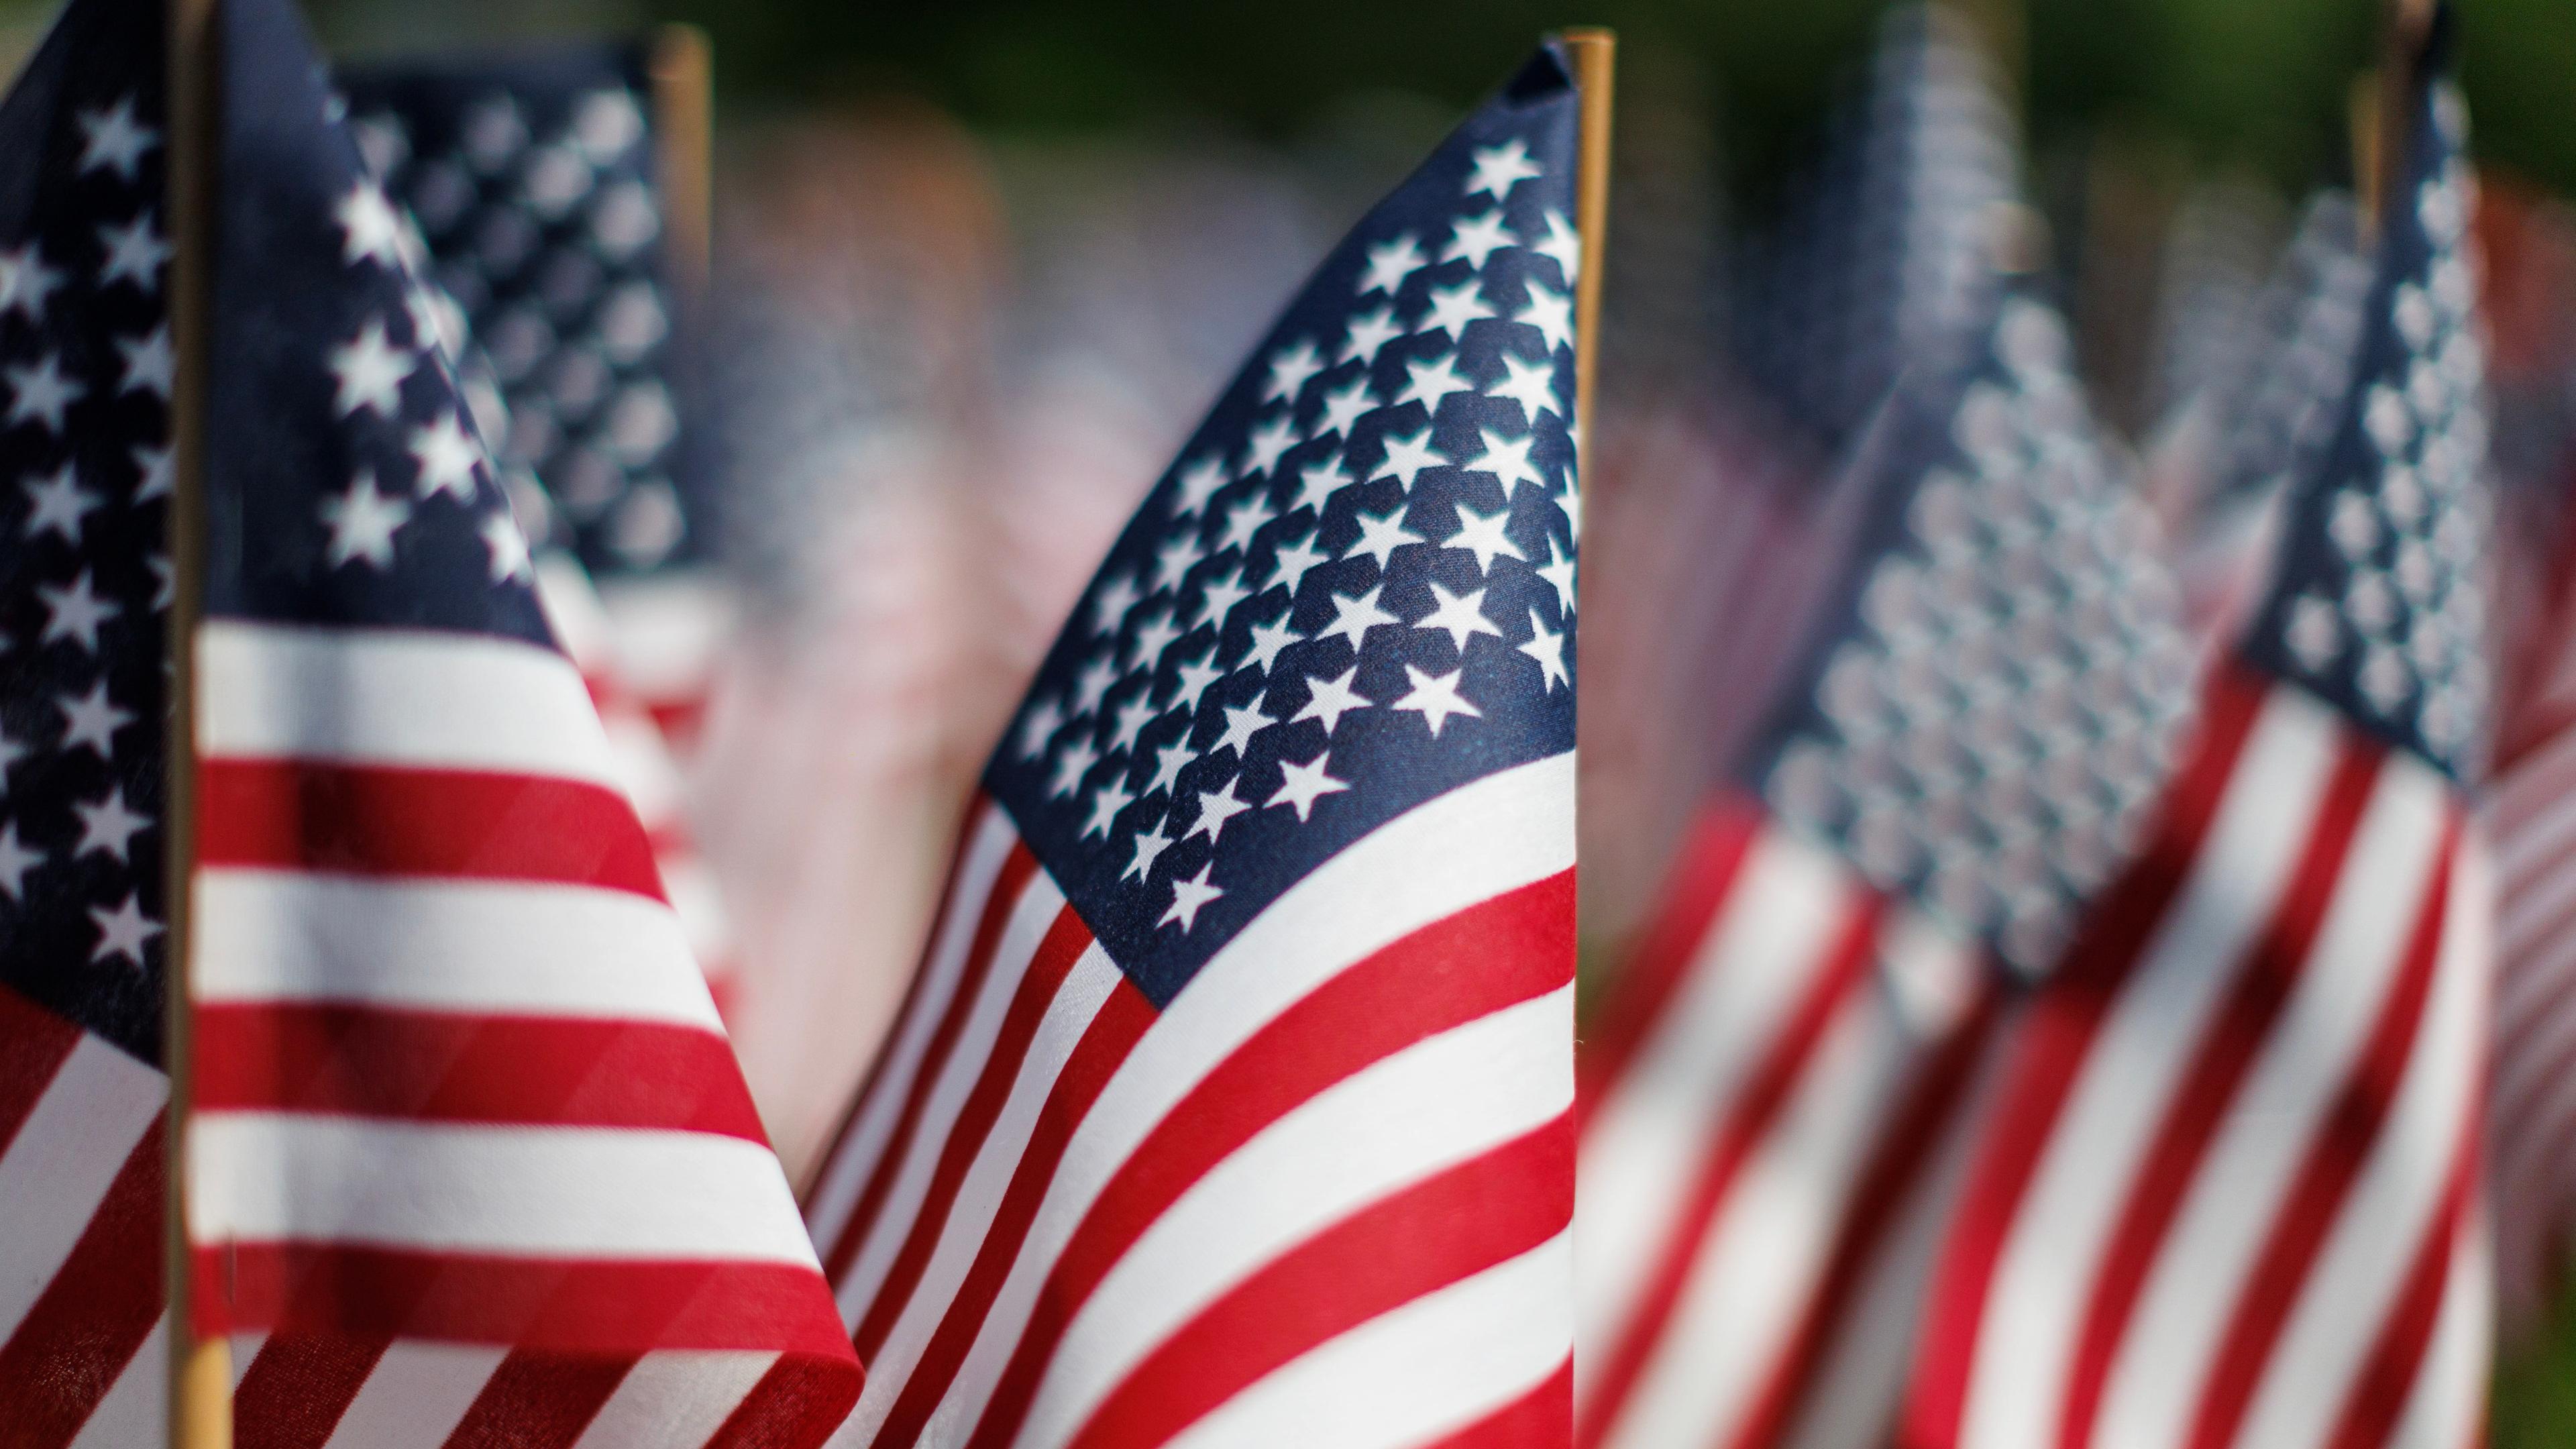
[200, 1371]
[684, 147]
[2379, 105]
[1592, 52]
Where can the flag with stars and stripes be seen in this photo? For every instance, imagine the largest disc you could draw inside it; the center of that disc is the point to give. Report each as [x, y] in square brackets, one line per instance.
[1233, 1100]
[1778, 1089]
[2228, 1188]
[471, 1161]
[536, 181]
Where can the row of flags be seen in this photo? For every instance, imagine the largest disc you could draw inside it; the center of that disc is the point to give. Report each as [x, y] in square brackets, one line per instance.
[2068, 1023]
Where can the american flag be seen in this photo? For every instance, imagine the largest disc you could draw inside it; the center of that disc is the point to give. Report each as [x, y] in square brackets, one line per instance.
[1781, 1085]
[472, 1163]
[2229, 1189]
[1181, 1141]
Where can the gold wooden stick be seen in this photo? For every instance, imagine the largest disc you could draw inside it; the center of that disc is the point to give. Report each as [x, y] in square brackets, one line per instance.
[200, 1371]
[2406, 26]
[1591, 51]
[684, 144]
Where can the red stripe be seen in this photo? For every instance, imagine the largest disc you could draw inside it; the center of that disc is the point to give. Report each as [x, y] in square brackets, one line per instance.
[1065, 942]
[1543, 1418]
[84, 1328]
[2243, 1025]
[33, 1045]
[1487, 1210]
[443, 1067]
[538, 1401]
[1719, 841]
[2052, 1044]
[1497, 953]
[299, 1385]
[796, 1405]
[2335, 1157]
[566, 1305]
[1114, 1031]
[1766, 1090]
[998, 904]
[2388, 1377]
[380, 820]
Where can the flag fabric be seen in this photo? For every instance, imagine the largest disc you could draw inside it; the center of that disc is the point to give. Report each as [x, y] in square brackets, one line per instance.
[1778, 1092]
[2228, 1192]
[1180, 1141]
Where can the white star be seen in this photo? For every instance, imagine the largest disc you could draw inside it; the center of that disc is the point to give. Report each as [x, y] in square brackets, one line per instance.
[1355, 614]
[1241, 724]
[11, 752]
[1289, 372]
[1562, 245]
[1559, 574]
[114, 140]
[1196, 674]
[1452, 308]
[1317, 485]
[1552, 313]
[25, 282]
[1329, 699]
[124, 932]
[93, 721]
[154, 466]
[165, 584]
[1461, 617]
[1270, 442]
[15, 861]
[1038, 726]
[77, 612]
[363, 522]
[1549, 650]
[135, 252]
[1092, 684]
[1218, 599]
[369, 230]
[1345, 406]
[1117, 594]
[448, 456]
[1369, 332]
[1435, 697]
[1389, 263]
[1292, 560]
[1268, 640]
[1169, 761]
[147, 363]
[1106, 802]
[1300, 786]
[1155, 632]
[1173, 562]
[59, 504]
[1381, 534]
[1242, 521]
[1531, 384]
[370, 371]
[1482, 535]
[1149, 844]
[1407, 457]
[1477, 238]
[1432, 381]
[1071, 766]
[1500, 168]
[108, 824]
[1188, 897]
[1508, 459]
[1133, 716]
[507, 547]
[40, 393]
[1215, 808]
[1569, 503]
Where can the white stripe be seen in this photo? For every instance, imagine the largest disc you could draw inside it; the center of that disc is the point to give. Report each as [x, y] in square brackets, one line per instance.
[55, 1172]
[569, 1191]
[2448, 1405]
[668, 627]
[1014, 952]
[1415, 1374]
[674, 1399]
[1077, 1002]
[1399, 1121]
[2044, 1273]
[988, 846]
[395, 697]
[416, 1396]
[246, 1347]
[2344, 1299]
[1487, 837]
[439, 945]
[2199, 1271]
[1756, 1270]
[136, 1408]
[1652, 1132]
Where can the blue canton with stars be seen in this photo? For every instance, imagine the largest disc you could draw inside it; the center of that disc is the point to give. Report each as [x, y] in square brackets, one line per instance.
[2378, 601]
[85, 376]
[345, 481]
[1355, 589]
